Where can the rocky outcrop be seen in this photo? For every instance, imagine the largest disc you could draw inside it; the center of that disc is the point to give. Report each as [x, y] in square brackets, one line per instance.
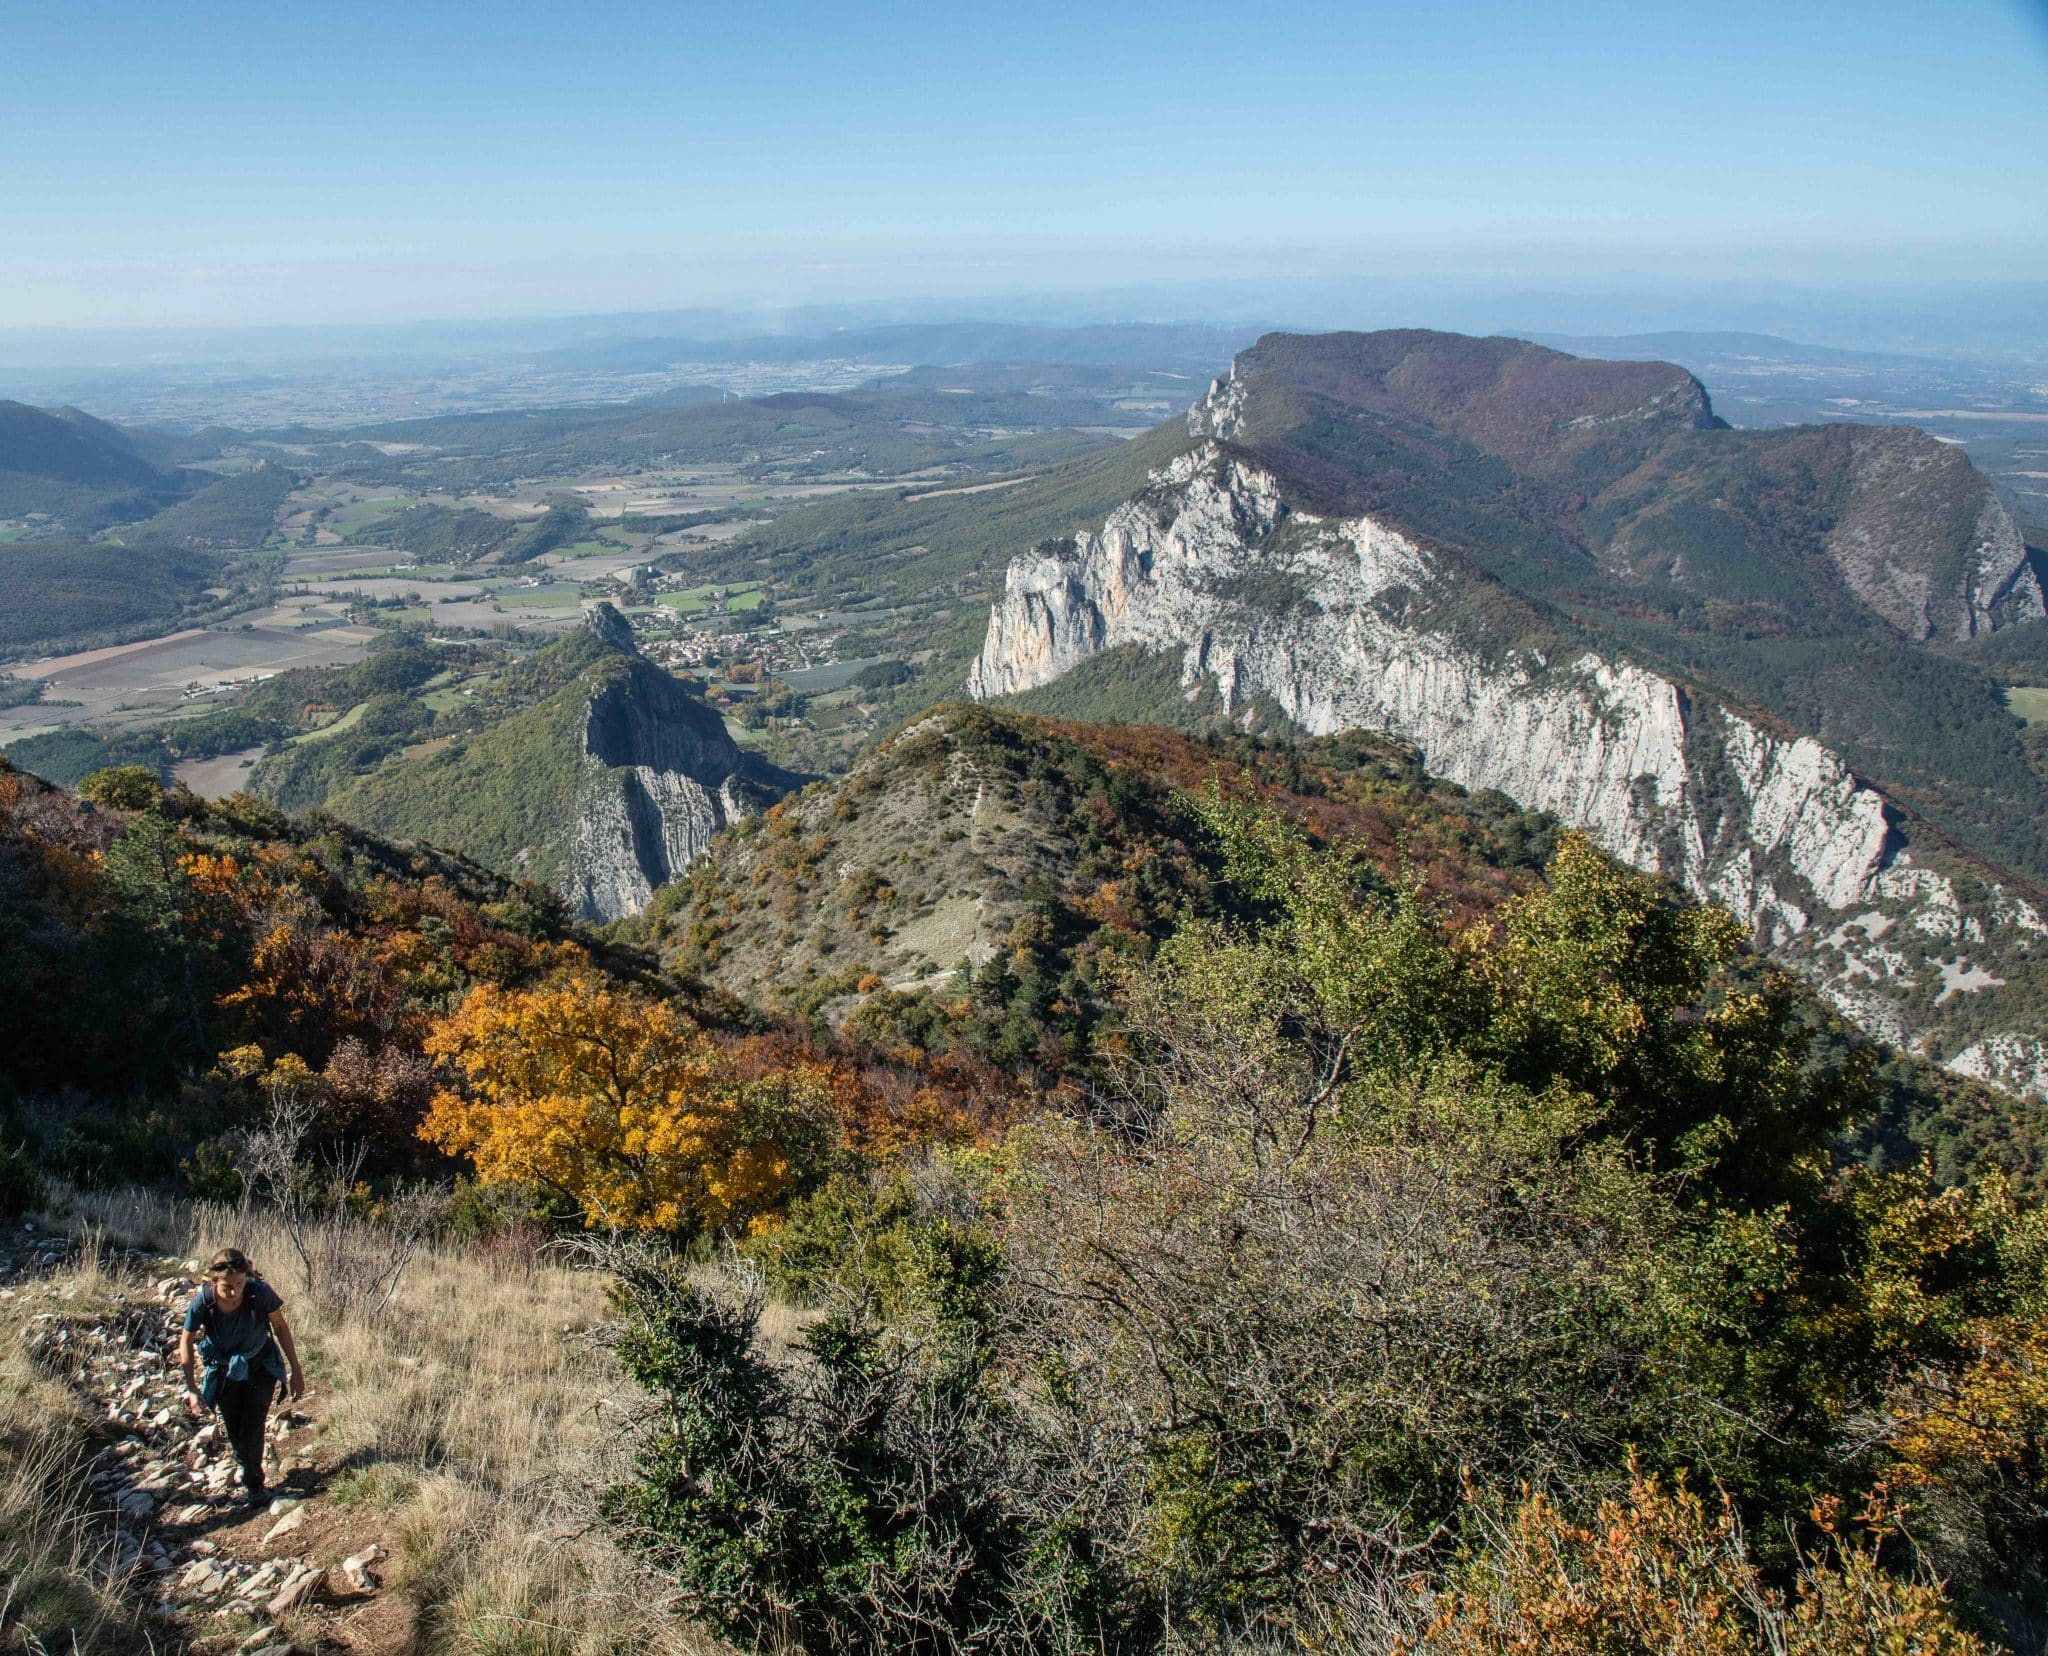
[1605, 744]
[1345, 622]
[662, 779]
[1900, 485]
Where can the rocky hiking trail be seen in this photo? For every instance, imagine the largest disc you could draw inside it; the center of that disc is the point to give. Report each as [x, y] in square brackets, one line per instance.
[219, 1576]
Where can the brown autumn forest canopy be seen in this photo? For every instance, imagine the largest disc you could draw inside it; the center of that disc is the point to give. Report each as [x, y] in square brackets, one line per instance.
[174, 965]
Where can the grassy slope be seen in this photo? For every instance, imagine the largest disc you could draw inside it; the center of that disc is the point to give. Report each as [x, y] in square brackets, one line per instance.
[443, 1430]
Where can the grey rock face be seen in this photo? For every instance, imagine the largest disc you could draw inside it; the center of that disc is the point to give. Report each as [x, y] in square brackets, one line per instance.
[1895, 476]
[661, 780]
[1772, 825]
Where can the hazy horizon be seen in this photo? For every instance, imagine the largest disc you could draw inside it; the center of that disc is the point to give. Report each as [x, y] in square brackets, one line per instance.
[1983, 317]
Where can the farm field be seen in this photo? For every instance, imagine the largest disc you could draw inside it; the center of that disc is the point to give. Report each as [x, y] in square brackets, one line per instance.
[700, 489]
[309, 565]
[142, 683]
[2029, 702]
[217, 778]
[587, 566]
[350, 571]
[832, 676]
[334, 727]
[699, 601]
[357, 513]
[557, 597]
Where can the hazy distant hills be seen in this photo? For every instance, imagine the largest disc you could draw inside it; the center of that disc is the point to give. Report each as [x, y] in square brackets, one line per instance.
[60, 461]
[893, 426]
[86, 472]
[1675, 345]
[1196, 347]
[111, 537]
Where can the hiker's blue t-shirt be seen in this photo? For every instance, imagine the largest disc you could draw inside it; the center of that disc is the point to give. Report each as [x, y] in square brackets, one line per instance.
[243, 1331]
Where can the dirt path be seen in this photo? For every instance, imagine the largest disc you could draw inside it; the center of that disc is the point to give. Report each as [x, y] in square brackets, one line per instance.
[303, 1575]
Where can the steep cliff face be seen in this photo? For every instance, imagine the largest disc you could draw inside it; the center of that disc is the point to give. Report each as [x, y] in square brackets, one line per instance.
[1347, 621]
[1603, 743]
[661, 777]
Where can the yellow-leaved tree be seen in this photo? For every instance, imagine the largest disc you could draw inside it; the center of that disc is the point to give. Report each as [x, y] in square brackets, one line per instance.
[620, 1102]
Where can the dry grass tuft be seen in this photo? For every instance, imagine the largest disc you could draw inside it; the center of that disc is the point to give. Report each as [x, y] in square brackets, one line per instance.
[60, 1586]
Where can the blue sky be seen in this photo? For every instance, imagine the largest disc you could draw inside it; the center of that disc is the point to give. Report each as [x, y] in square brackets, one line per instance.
[315, 161]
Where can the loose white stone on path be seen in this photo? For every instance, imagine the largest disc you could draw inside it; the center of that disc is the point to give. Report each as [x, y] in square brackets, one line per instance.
[296, 1587]
[292, 1520]
[357, 1569]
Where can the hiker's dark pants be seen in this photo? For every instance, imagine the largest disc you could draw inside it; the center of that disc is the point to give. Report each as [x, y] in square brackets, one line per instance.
[244, 1405]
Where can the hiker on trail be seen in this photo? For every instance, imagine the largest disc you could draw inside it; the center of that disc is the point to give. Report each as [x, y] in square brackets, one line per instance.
[235, 1324]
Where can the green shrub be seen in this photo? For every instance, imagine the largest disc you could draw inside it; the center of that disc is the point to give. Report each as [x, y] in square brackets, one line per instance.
[856, 1499]
[854, 1242]
[213, 1173]
[123, 787]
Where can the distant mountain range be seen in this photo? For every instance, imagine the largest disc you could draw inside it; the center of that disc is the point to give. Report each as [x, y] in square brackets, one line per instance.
[1201, 347]
[1679, 346]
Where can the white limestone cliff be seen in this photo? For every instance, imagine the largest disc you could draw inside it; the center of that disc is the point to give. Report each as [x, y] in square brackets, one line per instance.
[638, 828]
[1346, 623]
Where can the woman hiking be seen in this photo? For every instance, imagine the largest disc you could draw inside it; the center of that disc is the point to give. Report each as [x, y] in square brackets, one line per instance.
[235, 1324]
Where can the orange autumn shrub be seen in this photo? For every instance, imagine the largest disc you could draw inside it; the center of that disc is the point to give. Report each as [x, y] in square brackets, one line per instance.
[622, 1104]
[1662, 1572]
[1992, 1414]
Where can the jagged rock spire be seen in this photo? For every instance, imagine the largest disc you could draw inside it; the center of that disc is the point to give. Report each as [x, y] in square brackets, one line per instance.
[604, 619]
